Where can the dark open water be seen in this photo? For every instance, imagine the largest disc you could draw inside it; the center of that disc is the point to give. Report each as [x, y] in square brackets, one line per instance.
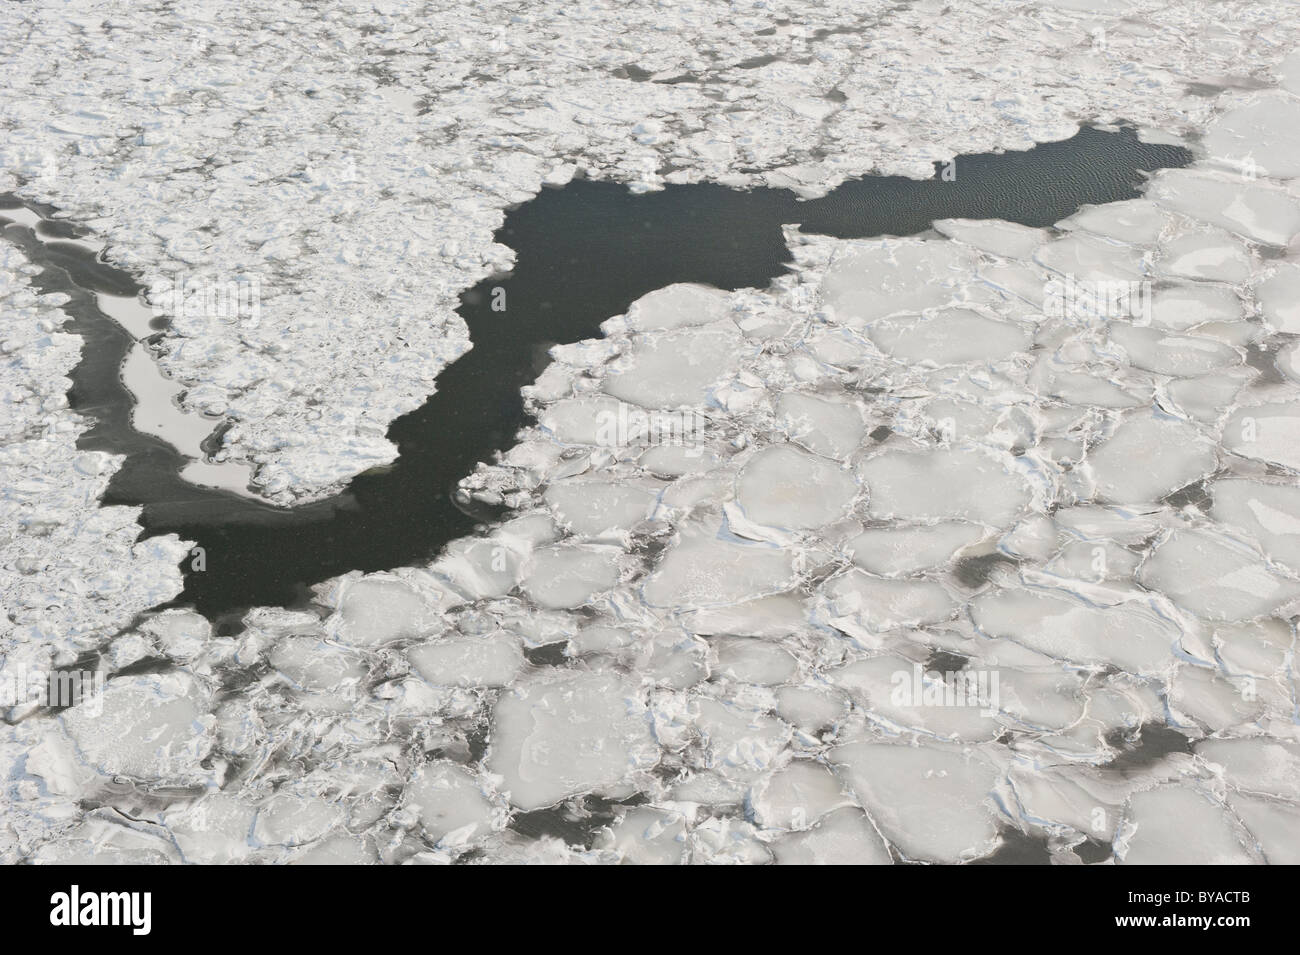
[584, 253]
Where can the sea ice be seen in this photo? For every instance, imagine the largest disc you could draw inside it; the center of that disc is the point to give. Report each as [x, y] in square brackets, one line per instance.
[1160, 819]
[1268, 432]
[870, 281]
[564, 734]
[843, 837]
[782, 486]
[1149, 456]
[703, 568]
[1215, 578]
[668, 370]
[153, 726]
[932, 803]
[943, 484]
[893, 550]
[948, 337]
[1128, 635]
[450, 803]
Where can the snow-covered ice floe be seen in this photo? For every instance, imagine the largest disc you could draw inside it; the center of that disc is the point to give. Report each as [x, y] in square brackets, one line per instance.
[993, 531]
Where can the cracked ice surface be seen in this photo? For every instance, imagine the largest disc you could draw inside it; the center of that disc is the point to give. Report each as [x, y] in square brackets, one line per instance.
[689, 654]
[692, 653]
[354, 160]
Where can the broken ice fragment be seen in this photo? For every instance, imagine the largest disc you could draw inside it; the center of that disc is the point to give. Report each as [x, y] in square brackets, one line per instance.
[1215, 578]
[1127, 635]
[564, 734]
[450, 803]
[1149, 456]
[843, 837]
[151, 726]
[675, 306]
[493, 660]
[1160, 820]
[703, 568]
[943, 484]
[668, 370]
[782, 486]
[569, 575]
[951, 336]
[894, 550]
[931, 802]
[378, 609]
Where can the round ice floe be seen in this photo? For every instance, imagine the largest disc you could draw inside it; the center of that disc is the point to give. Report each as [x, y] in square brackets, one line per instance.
[880, 604]
[151, 726]
[948, 337]
[1255, 765]
[1288, 361]
[870, 281]
[479, 568]
[1054, 380]
[1279, 298]
[1092, 259]
[378, 609]
[1266, 432]
[1265, 132]
[1129, 636]
[810, 708]
[931, 802]
[668, 370]
[1213, 256]
[1204, 695]
[1149, 456]
[569, 575]
[596, 507]
[679, 305]
[1161, 821]
[1207, 398]
[493, 660]
[450, 803]
[593, 419]
[1256, 210]
[569, 733]
[1269, 512]
[1182, 306]
[703, 569]
[1178, 355]
[943, 484]
[782, 486]
[1215, 578]
[1136, 221]
[888, 551]
[833, 428]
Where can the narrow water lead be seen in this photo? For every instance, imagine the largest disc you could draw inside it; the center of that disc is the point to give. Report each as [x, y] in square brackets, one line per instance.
[584, 253]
